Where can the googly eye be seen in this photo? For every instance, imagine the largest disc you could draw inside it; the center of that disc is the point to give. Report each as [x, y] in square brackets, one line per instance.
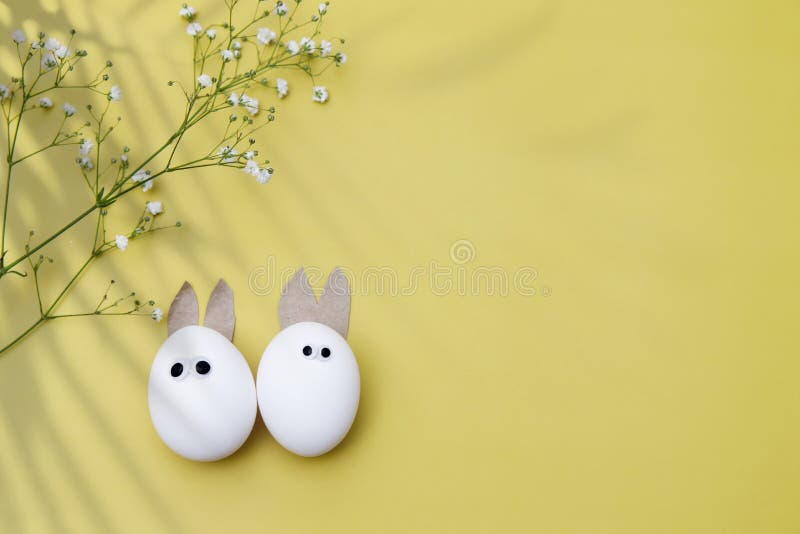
[202, 367]
[308, 352]
[325, 352]
[178, 371]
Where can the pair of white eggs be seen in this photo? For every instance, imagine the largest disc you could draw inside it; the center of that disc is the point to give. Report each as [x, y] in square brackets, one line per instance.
[202, 395]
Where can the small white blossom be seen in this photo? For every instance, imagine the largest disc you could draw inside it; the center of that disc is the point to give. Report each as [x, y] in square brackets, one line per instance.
[3, 91]
[233, 99]
[157, 315]
[188, 12]
[85, 163]
[282, 86]
[249, 154]
[52, 44]
[281, 9]
[211, 34]
[45, 103]
[307, 45]
[115, 94]
[341, 58]
[85, 147]
[18, 36]
[140, 176]
[251, 168]
[69, 109]
[49, 61]
[263, 176]
[250, 104]
[320, 94]
[325, 48]
[323, 8]
[236, 45]
[62, 52]
[228, 154]
[148, 186]
[227, 55]
[266, 36]
[293, 47]
[194, 29]
[204, 80]
[121, 241]
[155, 207]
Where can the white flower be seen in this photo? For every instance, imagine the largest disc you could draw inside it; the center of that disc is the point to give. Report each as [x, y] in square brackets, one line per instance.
[263, 176]
[157, 315]
[62, 52]
[147, 186]
[282, 87]
[320, 94]
[140, 175]
[188, 12]
[281, 9]
[45, 103]
[123, 158]
[69, 109]
[121, 241]
[323, 7]
[228, 154]
[233, 99]
[3, 91]
[292, 47]
[18, 36]
[249, 154]
[85, 163]
[49, 61]
[266, 36]
[193, 28]
[52, 44]
[155, 207]
[236, 45]
[227, 55]
[325, 48]
[251, 168]
[341, 58]
[307, 45]
[115, 94]
[211, 34]
[204, 80]
[85, 147]
[250, 104]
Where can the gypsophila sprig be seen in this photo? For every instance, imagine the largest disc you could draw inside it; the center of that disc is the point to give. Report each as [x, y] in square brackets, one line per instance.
[239, 68]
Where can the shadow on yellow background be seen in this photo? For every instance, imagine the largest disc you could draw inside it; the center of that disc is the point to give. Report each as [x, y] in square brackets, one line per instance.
[639, 158]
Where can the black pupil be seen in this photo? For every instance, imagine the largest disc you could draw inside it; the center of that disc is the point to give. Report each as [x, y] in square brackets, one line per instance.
[203, 367]
[176, 370]
[325, 352]
[307, 350]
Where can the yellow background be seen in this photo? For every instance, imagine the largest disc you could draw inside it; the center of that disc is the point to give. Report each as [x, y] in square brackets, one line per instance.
[641, 156]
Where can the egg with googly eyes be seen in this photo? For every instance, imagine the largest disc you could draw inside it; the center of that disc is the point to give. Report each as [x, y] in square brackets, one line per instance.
[201, 392]
[308, 382]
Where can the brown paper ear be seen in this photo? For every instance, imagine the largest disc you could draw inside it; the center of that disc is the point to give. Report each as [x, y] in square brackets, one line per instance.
[219, 312]
[183, 310]
[334, 303]
[298, 304]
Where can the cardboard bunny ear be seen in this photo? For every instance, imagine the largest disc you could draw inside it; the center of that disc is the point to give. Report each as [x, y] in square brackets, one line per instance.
[219, 312]
[298, 304]
[184, 310]
[334, 303]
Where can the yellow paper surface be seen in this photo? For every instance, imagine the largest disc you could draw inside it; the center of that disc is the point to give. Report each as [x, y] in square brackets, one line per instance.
[635, 161]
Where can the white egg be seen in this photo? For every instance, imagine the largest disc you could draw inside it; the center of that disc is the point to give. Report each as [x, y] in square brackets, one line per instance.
[201, 394]
[308, 388]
